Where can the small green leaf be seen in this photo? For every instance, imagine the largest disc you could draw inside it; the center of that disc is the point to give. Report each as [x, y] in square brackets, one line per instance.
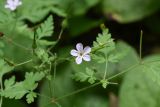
[30, 97]
[84, 76]
[104, 43]
[104, 83]
[46, 28]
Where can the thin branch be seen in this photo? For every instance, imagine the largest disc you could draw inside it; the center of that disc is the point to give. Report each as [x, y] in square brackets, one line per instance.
[132, 67]
[23, 63]
[76, 92]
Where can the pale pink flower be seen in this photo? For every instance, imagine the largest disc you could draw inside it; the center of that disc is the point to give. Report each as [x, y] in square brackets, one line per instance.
[81, 53]
[13, 4]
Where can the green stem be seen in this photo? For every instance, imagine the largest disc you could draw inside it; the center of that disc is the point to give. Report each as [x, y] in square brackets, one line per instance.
[1, 83]
[105, 72]
[132, 67]
[50, 82]
[54, 76]
[59, 37]
[140, 46]
[76, 92]
[23, 63]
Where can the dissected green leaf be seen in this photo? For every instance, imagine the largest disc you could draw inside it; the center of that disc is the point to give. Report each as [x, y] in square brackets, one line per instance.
[88, 75]
[104, 43]
[16, 90]
[30, 97]
[46, 28]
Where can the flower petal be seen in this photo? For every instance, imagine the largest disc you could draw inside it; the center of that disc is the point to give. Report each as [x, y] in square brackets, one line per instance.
[79, 60]
[87, 57]
[74, 52]
[79, 47]
[87, 50]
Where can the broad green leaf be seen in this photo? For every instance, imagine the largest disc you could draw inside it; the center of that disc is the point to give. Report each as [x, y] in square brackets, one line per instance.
[91, 101]
[16, 39]
[41, 8]
[83, 24]
[152, 64]
[130, 10]
[141, 85]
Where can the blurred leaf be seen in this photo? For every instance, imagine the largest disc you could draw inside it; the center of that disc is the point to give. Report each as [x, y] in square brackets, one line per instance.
[130, 58]
[90, 101]
[41, 8]
[16, 39]
[130, 10]
[139, 89]
[80, 24]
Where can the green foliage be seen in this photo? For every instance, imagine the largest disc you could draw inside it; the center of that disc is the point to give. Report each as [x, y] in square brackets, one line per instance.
[104, 43]
[45, 30]
[4, 68]
[17, 90]
[141, 85]
[130, 10]
[62, 81]
[88, 75]
[104, 53]
[82, 25]
[30, 97]
[25, 47]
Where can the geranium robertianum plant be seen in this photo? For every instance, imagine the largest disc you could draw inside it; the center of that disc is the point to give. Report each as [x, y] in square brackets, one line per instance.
[28, 49]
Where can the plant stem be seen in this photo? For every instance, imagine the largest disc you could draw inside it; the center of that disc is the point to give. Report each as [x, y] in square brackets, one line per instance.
[132, 67]
[105, 72]
[54, 76]
[23, 63]
[1, 83]
[77, 91]
[140, 46]
[50, 84]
